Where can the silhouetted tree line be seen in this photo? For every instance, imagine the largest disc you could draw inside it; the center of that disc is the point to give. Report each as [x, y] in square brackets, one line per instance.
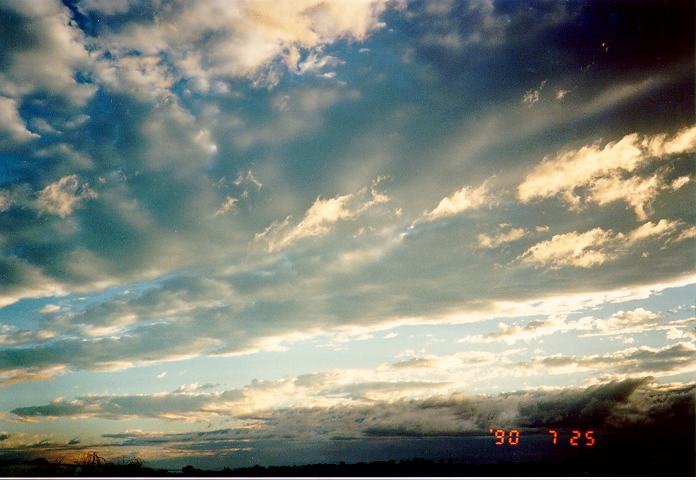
[90, 465]
[417, 467]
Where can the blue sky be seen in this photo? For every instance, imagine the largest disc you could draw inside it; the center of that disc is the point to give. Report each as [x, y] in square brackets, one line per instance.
[262, 220]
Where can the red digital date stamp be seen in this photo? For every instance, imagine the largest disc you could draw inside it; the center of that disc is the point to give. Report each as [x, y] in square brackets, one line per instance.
[577, 438]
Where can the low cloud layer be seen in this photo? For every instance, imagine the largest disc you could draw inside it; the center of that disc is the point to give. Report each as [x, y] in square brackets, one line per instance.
[603, 407]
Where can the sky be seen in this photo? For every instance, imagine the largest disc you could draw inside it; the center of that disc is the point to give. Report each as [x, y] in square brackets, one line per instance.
[278, 232]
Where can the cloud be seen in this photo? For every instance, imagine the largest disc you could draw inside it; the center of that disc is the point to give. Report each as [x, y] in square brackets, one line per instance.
[12, 126]
[466, 198]
[145, 77]
[226, 206]
[155, 163]
[631, 321]
[106, 7]
[212, 40]
[247, 178]
[49, 308]
[320, 218]
[561, 94]
[513, 234]
[412, 378]
[597, 246]
[186, 317]
[198, 403]
[63, 196]
[623, 322]
[454, 26]
[511, 334]
[609, 405]
[10, 335]
[572, 249]
[417, 362]
[45, 55]
[315, 63]
[67, 155]
[686, 234]
[603, 175]
[532, 96]
[295, 114]
[666, 360]
[650, 229]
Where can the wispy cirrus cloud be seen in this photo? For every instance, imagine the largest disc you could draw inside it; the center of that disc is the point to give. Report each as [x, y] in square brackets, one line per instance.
[623, 322]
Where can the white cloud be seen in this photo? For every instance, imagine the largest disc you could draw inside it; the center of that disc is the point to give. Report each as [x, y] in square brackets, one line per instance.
[686, 234]
[679, 182]
[106, 7]
[596, 246]
[315, 63]
[320, 218]
[627, 321]
[500, 238]
[63, 196]
[49, 58]
[247, 178]
[621, 323]
[49, 308]
[571, 249]
[561, 94]
[603, 175]
[511, 334]
[532, 96]
[144, 76]
[12, 126]
[636, 191]
[650, 229]
[244, 39]
[466, 198]
[226, 206]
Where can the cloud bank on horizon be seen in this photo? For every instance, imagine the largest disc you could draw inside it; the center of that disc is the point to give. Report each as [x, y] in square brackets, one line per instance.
[220, 219]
